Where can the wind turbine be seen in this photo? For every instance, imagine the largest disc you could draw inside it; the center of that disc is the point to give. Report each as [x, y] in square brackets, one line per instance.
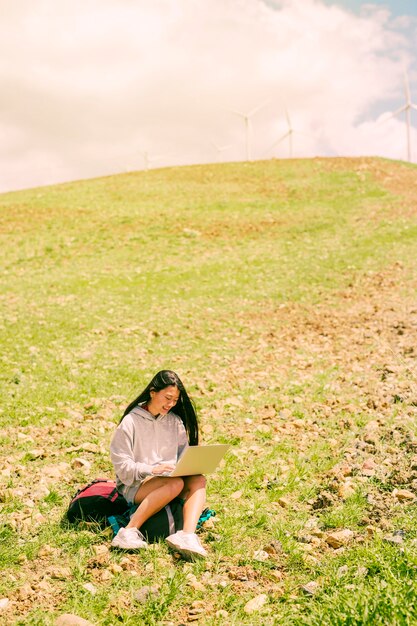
[290, 132]
[248, 124]
[407, 109]
[220, 149]
[148, 160]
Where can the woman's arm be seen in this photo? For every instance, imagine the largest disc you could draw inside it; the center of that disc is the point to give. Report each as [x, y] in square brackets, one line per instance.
[182, 438]
[127, 469]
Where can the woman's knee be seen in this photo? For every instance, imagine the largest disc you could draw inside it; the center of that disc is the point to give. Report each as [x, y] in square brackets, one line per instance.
[193, 483]
[176, 485]
[171, 487]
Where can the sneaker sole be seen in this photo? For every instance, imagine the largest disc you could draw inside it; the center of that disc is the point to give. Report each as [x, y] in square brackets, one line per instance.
[187, 554]
[130, 548]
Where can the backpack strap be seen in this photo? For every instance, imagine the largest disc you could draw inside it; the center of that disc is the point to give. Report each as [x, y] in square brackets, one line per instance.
[93, 482]
[171, 521]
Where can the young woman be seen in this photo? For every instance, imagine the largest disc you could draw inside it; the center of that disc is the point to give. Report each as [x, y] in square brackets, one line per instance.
[152, 434]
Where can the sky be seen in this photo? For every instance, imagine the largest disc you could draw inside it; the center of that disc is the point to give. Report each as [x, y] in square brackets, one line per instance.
[96, 87]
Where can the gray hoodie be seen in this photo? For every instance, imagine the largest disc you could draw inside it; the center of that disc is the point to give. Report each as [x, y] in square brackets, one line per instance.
[142, 441]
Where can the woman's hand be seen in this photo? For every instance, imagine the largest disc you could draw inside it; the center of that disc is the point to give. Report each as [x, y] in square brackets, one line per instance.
[163, 468]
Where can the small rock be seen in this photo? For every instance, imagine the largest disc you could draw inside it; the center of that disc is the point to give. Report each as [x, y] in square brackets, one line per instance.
[307, 547]
[346, 490]
[369, 464]
[394, 539]
[60, 573]
[236, 495]
[371, 530]
[91, 588]
[339, 538]
[198, 604]
[105, 575]
[80, 463]
[361, 571]
[56, 471]
[115, 568]
[88, 447]
[312, 523]
[40, 492]
[256, 603]
[284, 502]
[126, 563]
[101, 550]
[372, 426]
[190, 232]
[342, 571]
[310, 588]
[44, 585]
[305, 538]
[368, 472]
[403, 495]
[4, 603]
[261, 555]
[69, 619]
[37, 453]
[194, 583]
[144, 593]
[196, 610]
[46, 550]
[322, 501]
[222, 613]
[274, 547]
[343, 469]
[25, 591]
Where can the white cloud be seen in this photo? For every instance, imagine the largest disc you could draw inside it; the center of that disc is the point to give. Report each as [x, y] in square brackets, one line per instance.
[87, 87]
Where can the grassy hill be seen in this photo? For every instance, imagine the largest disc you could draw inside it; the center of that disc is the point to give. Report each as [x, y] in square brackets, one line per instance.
[284, 294]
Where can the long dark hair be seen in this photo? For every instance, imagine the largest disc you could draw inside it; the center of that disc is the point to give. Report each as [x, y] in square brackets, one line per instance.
[184, 408]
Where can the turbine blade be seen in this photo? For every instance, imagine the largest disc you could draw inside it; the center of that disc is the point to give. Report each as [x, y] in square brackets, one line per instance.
[393, 114]
[258, 108]
[301, 132]
[407, 88]
[288, 118]
[271, 147]
[220, 148]
[236, 112]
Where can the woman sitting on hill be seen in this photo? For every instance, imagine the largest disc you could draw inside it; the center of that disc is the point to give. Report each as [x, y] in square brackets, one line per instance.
[153, 432]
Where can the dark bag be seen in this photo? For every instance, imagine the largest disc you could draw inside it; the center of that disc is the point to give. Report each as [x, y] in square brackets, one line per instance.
[96, 501]
[164, 523]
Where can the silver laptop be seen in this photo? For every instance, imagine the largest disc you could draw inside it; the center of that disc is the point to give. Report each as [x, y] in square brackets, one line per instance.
[200, 459]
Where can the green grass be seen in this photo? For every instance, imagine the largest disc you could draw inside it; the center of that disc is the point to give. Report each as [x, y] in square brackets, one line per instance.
[283, 293]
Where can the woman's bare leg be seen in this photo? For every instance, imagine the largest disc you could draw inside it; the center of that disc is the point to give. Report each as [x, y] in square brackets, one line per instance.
[152, 496]
[194, 493]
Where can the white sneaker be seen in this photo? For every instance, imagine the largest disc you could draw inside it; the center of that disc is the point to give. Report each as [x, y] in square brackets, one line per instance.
[129, 539]
[187, 544]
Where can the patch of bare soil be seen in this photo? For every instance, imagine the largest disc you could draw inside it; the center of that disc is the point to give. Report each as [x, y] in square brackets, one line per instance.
[400, 179]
